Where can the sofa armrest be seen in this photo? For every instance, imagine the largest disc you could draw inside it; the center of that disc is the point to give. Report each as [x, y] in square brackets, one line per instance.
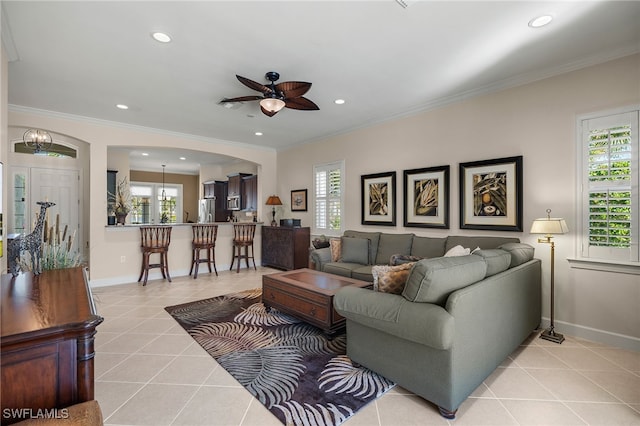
[423, 323]
[320, 256]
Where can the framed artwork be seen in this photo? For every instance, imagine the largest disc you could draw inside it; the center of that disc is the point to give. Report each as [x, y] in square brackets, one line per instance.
[426, 197]
[379, 199]
[299, 200]
[491, 194]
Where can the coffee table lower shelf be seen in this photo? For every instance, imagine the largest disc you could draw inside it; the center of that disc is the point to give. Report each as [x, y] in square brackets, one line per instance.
[308, 295]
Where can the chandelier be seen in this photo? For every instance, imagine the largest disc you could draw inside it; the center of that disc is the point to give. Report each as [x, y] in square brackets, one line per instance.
[37, 140]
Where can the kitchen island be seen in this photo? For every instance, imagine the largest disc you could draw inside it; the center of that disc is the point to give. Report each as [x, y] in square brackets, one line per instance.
[124, 250]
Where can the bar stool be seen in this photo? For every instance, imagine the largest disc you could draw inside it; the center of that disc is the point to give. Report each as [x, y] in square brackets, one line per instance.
[204, 238]
[243, 234]
[155, 239]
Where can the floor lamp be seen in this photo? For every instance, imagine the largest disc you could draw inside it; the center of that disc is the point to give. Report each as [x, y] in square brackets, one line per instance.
[274, 201]
[550, 226]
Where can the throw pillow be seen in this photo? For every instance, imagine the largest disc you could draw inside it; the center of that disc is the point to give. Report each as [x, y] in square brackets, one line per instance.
[457, 251]
[355, 250]
[334, 243]
[399, 259]
[390, 279]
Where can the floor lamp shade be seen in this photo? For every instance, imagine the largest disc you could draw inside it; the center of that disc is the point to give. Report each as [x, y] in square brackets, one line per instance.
[550, 226]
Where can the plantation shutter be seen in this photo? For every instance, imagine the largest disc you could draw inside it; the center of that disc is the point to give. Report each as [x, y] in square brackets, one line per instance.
[610, 187]
[328, 198]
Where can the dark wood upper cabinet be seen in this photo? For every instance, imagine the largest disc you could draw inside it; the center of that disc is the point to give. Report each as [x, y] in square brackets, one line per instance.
[250, 193]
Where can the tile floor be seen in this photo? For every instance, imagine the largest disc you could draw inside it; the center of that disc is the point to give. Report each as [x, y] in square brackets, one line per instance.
[149, 371]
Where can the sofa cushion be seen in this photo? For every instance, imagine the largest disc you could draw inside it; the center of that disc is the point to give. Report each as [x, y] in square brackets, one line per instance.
[427, 247]
[343, 269]
[497, 260]
[520, 253]
[336, 249]
[390, 244]
[390, 279]
[482, 242]
[432, 280]
[363, 273]
[355, 250]
[373, 237]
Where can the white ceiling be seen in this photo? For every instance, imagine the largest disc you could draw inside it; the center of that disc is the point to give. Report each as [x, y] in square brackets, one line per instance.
[386, 61]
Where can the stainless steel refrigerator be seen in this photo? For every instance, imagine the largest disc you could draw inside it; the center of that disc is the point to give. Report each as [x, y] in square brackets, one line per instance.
[207, 210]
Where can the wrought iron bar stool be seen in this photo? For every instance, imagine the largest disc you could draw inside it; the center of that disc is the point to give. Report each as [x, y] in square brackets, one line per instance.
[204, 238]
[243, 234]
[155, 239]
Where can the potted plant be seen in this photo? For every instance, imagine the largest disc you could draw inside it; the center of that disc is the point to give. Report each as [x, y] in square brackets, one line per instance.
[120, 202]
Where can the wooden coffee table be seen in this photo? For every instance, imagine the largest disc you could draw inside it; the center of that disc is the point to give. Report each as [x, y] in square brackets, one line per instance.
[307, 294]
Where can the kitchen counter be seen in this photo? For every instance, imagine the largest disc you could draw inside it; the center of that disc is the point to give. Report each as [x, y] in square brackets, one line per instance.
[124, 251]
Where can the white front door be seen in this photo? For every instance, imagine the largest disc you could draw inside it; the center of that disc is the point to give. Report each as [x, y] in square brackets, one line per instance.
[61, 187]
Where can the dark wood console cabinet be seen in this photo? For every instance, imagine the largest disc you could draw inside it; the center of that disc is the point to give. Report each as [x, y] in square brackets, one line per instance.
[48, 327]
[285, 248]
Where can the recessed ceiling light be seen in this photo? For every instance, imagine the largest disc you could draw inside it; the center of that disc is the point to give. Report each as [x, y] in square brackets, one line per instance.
[145, 154]
[258, 133]
[339, 101]
[183, 158]
[540, 21]
[122, 106]
[161, 37]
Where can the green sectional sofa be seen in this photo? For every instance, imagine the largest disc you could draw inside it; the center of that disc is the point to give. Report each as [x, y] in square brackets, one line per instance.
[361, 250]
[456, 319]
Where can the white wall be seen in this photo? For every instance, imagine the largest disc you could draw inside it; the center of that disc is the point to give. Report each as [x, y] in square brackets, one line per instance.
[106, 246]
[537, 121]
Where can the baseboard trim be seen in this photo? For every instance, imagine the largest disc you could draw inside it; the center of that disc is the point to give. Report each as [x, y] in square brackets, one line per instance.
[595, 335]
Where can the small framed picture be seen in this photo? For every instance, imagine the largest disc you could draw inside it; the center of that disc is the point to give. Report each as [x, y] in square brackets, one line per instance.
[491, 194]
[426, 197]
[379, 199]
[299, 200]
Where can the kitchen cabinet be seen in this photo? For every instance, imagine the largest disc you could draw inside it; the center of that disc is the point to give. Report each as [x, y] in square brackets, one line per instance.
[235, 183]
[209, 189]
[217, 189]
[250, 193]
[285, 247]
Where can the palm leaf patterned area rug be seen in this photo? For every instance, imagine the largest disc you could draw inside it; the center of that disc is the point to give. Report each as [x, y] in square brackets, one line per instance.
[291, 367]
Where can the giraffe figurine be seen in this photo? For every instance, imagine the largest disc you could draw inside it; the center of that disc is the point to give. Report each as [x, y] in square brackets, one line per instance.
[31, 243]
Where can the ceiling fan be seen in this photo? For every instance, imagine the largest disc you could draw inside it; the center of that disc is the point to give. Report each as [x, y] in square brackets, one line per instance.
[277, 96]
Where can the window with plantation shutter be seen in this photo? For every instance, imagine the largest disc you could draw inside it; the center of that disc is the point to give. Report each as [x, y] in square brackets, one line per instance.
[610, 178]
[328, 181]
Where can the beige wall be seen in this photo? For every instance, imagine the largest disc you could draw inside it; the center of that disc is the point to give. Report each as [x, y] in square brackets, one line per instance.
[537, 121]
[190, 189]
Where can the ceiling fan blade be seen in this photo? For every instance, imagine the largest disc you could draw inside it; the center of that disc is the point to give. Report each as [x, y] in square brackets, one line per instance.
[253, 85]
[301, 103]
[293, 89]
[268, 113]
[242, 99]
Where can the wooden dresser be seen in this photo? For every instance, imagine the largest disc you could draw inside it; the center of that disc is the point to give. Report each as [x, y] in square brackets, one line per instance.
[285, 247]
[48, 327]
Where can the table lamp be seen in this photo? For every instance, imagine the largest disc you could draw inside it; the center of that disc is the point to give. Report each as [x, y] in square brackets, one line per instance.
[550, 226]
[274, 201]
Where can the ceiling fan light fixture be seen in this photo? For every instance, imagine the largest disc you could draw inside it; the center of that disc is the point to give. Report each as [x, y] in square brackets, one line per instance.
[272, 104]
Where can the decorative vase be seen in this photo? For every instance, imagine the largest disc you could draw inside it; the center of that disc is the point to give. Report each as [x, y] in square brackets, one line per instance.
[121, 218]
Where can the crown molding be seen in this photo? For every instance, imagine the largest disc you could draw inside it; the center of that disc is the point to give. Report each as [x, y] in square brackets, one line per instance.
[133, 127]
